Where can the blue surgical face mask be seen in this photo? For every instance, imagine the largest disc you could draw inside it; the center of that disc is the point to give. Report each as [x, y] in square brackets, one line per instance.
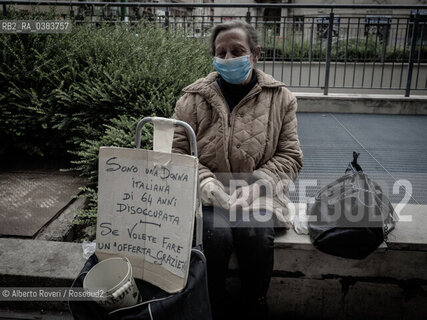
[235, 70]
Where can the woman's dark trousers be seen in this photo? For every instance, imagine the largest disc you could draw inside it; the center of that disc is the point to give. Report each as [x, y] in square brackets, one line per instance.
[253, 243]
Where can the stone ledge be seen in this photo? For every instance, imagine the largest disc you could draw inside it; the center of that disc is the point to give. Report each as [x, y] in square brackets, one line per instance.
[328, 299]
[409, 233]
[38, 263]
[360, 96]
[361, 103]
[41, 259]
[42, 263]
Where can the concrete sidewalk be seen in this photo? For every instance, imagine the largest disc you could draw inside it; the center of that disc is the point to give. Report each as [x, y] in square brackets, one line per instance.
[34, 315]
[361, 103]
[31, 199]
[393, 151]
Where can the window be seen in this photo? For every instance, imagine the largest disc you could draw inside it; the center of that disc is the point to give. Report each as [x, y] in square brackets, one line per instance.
[421, 30]
[323, 25]
[272, 17]
[378, 26]
[298, 24]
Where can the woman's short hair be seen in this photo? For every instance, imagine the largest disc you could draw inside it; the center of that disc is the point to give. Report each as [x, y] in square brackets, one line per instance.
[250, 31]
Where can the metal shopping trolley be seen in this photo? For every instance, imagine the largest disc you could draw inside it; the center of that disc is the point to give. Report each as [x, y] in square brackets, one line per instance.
[167, 291]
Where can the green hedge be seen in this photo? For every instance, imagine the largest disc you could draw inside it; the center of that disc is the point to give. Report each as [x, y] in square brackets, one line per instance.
[57, 91]
[120, 133]
[72, 93]
[364, 49]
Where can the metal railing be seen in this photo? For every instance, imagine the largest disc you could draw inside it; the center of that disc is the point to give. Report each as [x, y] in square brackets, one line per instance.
[320, 47]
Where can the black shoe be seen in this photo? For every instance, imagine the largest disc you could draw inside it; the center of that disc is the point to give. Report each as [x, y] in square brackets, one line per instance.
[224, 308]
[257, 309]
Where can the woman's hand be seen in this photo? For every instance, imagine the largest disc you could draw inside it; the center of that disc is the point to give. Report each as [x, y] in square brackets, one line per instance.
[213, 194]
[244, 196]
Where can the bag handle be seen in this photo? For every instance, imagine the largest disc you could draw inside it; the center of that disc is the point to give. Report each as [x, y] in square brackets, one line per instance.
[193, 150]
[354, 166]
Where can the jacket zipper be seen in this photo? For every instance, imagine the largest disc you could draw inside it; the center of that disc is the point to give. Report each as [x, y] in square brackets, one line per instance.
[230, 122]
[217, 88]
[230, 117]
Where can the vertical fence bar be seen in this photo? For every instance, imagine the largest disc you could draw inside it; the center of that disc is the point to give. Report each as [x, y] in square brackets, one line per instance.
[394, 52]
[362, 83]
[72, 12]
[411, 54]
[283, 47]
[336, 53]
[264, 45]
[356, 59]
[419, 54]
[167, 18]
[375, 54]
[404, 52]
[202, 31]
[274, 49]
[384, 53]
[4, 10]
[293, 49]
[192, 25]
[346, 52]
[301, 49]
[122, 12]
[320, 54]
[328, 52]
[248, 16]
[310, 52]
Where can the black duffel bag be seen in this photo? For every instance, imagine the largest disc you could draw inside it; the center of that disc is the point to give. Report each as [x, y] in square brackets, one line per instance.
[351, 216]
[192, 303]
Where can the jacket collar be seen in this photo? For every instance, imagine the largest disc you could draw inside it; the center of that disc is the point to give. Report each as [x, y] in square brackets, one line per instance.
[209, 89]
[205, 84]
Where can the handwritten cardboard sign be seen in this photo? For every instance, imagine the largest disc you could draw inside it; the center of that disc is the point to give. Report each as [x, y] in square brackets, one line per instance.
[146, 212]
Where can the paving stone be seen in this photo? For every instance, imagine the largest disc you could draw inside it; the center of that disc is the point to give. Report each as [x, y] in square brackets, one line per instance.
[30, 199]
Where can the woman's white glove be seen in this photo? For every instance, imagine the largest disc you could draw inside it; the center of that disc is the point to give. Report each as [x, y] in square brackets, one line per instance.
[213, 194]
[244, 196]
[300, 220]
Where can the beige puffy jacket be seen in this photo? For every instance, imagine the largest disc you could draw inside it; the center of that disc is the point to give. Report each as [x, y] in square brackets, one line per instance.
[259, 136]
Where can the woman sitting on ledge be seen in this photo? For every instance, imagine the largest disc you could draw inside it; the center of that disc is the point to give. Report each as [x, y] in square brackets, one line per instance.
[249, 151]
